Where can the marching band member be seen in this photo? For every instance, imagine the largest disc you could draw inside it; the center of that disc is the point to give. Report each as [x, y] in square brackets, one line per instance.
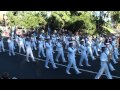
[108, 52]
[33, 42]
[111, 48]
[74, 41]
[1, 44]
[16, 40]
[113, 42]
[71, 59]
[52, 44]
[29, 50]
[24, 38]
[21, 44]
[63, 38]
[42, 35]
[95, 44]
[116, 53]
[53, 39]
[83, 55]
[49, 54]
[100, 44]
[59, 49]
[77, 38]
[12, 34]
[41, 46]
[11, 46]
[104, 65]
[67, 41]
[89, 48]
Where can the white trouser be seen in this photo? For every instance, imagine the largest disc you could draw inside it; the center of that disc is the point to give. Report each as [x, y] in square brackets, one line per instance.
[49, 56]
[54, 41]
[60, 53]
[11, 50]
[111, 67]
[33, 45]
[83, 57]
[21, 46]
[16, 42]
[116, 55]
[89, 51]
[41, 49]
[29, 52]
[104, 68]
[70, 63]
[113, 59]
[77, 43]
[67, 44]
[95, 50]
[2, 46]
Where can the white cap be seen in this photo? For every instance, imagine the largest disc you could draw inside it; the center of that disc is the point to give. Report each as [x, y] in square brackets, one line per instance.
[73, 38]
[107, 43]
[48, 37]
[55, 31]
[82, 40]
[70, 42]
[42, 31]
[58, 37]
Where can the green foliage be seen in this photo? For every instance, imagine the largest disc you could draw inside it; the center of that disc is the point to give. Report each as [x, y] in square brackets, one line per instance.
[115, 15]
[75, 24]
[83, 22]
[109, 29]
[55, 21]
[26, 19]
[89, 22]
[71, 20]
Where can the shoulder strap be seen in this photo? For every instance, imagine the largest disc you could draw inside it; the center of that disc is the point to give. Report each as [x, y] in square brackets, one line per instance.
[105, 53]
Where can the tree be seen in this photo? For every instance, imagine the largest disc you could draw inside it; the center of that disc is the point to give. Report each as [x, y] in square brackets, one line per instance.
[83, 22]
[76, 13]
[55, 21]
[71, 20]
[115, 15]
[26, 19]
